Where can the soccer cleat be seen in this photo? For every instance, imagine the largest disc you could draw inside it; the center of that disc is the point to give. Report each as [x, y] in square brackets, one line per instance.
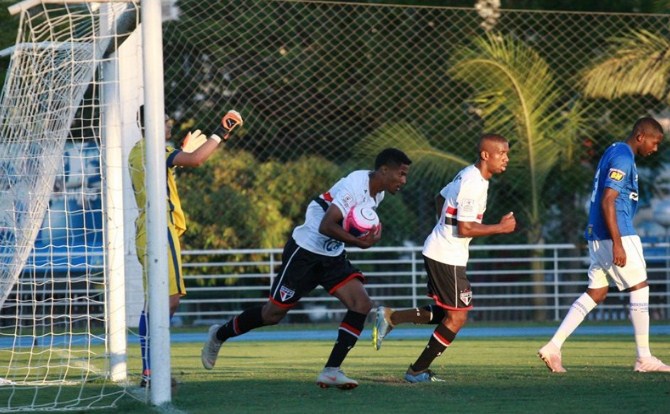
[421, 376]
[551, 356]
[334, 377]
[382, 326]
[650, 364]
[210, 350]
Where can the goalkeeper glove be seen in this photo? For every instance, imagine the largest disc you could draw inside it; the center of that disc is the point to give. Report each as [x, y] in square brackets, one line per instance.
[193, 141]
[229, 121]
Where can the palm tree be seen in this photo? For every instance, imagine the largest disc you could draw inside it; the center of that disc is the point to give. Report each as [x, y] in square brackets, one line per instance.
[515, 91]
[429, 162]
[515, 94]
[636, 63]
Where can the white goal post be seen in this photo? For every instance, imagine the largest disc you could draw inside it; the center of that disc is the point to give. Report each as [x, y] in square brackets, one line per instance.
[62, 237]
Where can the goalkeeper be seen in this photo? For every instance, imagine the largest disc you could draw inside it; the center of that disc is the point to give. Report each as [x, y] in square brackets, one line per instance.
[195, 150]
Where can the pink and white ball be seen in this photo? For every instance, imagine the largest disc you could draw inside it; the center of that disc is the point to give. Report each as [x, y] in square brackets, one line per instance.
[360, 220]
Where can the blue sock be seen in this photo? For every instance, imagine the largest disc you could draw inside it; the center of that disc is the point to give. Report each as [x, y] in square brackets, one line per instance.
[144, 343]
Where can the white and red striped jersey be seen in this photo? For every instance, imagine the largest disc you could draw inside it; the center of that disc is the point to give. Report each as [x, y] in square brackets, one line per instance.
[350, 191]
[464, 200]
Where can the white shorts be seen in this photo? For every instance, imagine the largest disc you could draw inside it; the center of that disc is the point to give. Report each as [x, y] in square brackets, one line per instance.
[602, 271]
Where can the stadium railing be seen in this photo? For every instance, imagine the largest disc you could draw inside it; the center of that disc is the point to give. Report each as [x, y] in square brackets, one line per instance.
[509, 282]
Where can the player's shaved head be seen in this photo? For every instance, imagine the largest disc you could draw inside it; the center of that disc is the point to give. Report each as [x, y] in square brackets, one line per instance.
[487, 142]
[647, 126]
[645, 137]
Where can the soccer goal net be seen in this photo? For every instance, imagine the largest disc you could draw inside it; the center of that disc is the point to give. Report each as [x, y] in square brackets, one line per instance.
[54, 237]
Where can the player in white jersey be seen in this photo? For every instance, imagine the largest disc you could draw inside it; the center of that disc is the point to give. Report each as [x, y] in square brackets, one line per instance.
[315, 255]
[460, 208]
[614, 247]
[348, 192]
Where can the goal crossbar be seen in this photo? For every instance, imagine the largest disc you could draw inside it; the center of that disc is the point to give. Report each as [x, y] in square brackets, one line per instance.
[29, 4]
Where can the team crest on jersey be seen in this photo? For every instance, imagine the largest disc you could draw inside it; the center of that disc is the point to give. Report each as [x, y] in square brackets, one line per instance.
[466, 297]
[348, 201]
[616, 175]
[286, 293]
[467, 205]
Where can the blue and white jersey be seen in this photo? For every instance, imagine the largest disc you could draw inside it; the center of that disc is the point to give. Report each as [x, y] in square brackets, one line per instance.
[616, 170]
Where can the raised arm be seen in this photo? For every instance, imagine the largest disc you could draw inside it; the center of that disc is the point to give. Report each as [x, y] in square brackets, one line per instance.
[198, 148]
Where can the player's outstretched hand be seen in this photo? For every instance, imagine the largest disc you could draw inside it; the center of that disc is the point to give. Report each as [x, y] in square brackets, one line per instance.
[230, 121]
[193, 141]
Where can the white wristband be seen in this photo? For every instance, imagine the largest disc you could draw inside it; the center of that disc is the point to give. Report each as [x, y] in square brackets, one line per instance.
[216, 138]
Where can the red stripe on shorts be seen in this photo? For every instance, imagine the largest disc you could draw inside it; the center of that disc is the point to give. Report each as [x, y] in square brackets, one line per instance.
[443, 305]
[352, 276]
[281, 305]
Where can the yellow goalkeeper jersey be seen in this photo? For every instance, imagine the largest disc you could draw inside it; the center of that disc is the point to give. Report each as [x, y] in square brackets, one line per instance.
[137, 171]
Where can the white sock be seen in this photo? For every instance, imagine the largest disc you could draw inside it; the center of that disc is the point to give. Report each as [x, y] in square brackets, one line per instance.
[639, 316]
[578, 311]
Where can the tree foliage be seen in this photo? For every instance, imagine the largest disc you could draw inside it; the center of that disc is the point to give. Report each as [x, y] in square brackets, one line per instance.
[514, 93]
[635, 63]
[236, 201]
[10, 25]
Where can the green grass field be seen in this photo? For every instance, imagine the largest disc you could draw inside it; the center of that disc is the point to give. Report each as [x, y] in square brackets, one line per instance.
[501, 375]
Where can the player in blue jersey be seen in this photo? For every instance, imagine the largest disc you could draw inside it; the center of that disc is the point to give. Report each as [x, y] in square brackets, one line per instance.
[614, 248]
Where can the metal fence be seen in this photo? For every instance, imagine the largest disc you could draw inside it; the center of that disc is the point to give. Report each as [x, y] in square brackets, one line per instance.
[504, 279]
[321, 83]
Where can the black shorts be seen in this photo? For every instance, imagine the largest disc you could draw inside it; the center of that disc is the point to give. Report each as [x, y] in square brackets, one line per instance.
[302, 271]
[448, 285]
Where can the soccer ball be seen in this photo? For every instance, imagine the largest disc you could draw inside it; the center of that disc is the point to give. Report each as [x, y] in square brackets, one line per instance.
[360, 220]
